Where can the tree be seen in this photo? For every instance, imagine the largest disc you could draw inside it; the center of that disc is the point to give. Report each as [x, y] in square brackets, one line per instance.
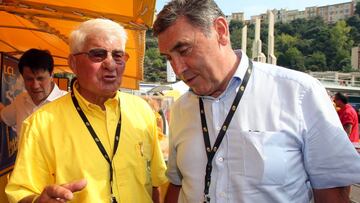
[357, 9]
[316, 61]
[284, 28]
[354, 23]
[155, 66]
[340, 44]
[235, 25]
[284, 42]
[236, 38]
[345, 65]
[294, 59]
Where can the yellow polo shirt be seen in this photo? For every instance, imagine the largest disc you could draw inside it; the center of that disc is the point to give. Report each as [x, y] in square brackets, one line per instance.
[56, 148]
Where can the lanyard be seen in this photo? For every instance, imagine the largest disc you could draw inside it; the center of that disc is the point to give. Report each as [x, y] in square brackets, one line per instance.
[210, 152]
[98, 142]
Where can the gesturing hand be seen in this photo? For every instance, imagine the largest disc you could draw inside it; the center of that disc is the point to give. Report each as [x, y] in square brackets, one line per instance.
[60, 193]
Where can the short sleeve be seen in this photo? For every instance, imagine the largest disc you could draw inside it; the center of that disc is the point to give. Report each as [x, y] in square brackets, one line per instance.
[330, 158]
[348, 117]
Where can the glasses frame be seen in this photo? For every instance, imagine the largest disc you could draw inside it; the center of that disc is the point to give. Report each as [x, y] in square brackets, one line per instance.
[91, 55]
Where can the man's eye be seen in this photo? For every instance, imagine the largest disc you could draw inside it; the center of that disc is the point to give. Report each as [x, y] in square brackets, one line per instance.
[185, 51]
[98, 54]
[118, 55]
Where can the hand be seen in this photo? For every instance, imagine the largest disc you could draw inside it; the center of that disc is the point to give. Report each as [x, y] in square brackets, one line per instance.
[60, 193]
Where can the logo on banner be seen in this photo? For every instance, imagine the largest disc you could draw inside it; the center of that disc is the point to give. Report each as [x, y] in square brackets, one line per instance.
[11, 85]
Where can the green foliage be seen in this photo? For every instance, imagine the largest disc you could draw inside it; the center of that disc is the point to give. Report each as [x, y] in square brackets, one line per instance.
[67, 75]
[154, 66]
[235, 38]
[340, 44]
[354, 23]
[313, 45]
[316, 61]
[357, 9]
[235, 25]
[345, 65]
[293, 59]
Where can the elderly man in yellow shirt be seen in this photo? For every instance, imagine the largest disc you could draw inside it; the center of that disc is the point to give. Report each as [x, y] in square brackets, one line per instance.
[96, 144]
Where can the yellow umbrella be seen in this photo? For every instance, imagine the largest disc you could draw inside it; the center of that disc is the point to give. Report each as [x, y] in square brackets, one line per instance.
[46, 24]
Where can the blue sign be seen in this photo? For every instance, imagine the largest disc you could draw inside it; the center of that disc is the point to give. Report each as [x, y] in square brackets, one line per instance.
[11, 85]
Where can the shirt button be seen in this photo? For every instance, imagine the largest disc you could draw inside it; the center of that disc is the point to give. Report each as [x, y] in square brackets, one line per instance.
[221, 159]
[218, 128]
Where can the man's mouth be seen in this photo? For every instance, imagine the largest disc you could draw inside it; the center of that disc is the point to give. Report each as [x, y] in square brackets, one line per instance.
[109, 77]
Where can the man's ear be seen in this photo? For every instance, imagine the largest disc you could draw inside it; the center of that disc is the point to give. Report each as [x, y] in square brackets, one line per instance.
[72, 63]
[222, 29]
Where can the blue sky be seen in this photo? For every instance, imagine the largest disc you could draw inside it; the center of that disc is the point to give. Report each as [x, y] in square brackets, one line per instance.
[255, 7]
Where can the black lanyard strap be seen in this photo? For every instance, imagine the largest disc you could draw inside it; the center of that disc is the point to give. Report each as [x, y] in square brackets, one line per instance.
[97, 140]
[210, 152]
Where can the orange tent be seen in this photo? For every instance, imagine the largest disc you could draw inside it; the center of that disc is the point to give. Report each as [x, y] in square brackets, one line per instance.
[46, 24]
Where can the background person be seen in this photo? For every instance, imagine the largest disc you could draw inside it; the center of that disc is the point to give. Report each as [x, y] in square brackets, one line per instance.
[247, 131]
[96, 144]
[348, 117]
[36, 67]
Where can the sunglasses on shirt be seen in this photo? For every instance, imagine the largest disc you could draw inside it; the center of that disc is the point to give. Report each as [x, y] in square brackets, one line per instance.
[98, 55]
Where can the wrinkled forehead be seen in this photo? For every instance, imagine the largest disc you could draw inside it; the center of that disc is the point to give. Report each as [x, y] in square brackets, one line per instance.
[104, 41]
[179, 32]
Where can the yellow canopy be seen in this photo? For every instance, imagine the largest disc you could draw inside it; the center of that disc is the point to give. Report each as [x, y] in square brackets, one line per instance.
[46, 24]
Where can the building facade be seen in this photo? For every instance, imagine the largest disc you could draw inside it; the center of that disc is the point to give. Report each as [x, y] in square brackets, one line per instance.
[355, 58]
[330, 13]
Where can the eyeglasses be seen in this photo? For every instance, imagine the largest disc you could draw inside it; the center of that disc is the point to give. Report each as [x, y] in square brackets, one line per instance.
[98, 55]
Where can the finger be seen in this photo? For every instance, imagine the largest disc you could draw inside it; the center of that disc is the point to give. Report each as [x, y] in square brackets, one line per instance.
[58, 192]
[76, 185]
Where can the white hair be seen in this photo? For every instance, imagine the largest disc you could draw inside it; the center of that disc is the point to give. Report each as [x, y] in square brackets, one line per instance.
[99, 26]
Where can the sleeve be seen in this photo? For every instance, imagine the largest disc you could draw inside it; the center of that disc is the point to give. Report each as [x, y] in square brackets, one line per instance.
[348, 117]
[173, 172]
[158, 166]
[330, 158]
[31, 173]
[8, 114]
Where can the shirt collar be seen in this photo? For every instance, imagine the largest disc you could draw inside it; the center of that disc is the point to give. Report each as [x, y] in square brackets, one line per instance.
[237, 77]
[52, 96]
[54, 93]
[113, 102]
[243, 65]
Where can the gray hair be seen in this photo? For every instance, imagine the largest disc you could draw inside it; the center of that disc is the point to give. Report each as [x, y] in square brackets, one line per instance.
[199, 13]
[106, 28]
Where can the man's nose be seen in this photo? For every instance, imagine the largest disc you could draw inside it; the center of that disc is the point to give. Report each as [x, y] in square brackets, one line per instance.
[178, 65]
[109, 62]
[35, 84]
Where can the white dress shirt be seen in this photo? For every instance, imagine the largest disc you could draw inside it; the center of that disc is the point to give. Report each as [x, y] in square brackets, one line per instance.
[284, 139]
[23, 106]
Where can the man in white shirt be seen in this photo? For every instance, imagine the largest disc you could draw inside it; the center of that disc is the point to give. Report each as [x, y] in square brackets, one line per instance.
[36, 67]
[246, 131]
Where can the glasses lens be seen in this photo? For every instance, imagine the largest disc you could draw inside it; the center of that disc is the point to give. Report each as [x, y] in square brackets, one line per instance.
[119, 57]
[97, 55]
